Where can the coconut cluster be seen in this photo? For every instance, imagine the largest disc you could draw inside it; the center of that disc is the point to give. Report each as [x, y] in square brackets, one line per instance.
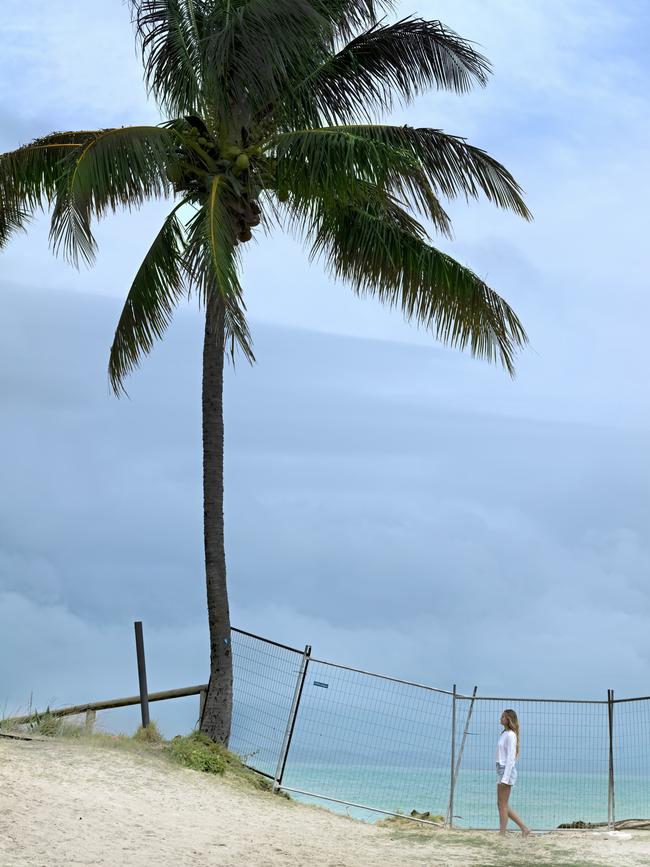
[200, 158]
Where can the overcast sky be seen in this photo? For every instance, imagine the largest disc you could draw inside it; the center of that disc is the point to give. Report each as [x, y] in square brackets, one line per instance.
[399, 506]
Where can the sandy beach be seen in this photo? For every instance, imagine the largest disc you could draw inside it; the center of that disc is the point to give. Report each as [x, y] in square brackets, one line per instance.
[68, 803]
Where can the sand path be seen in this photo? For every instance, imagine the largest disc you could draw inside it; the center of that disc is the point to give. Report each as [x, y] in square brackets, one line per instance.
[64, 804]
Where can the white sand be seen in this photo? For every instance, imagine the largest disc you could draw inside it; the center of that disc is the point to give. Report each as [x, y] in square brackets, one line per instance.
[68, 803]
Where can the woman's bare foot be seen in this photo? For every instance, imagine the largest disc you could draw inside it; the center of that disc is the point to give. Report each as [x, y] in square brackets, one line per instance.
[526, 832]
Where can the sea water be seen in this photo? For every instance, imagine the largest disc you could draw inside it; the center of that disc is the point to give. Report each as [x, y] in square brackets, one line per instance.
[544, 800]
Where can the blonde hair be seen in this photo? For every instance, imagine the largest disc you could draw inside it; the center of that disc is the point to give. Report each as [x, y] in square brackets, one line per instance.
[512, 725]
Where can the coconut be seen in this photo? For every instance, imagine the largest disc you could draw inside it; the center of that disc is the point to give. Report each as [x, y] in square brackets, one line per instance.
[230, 152]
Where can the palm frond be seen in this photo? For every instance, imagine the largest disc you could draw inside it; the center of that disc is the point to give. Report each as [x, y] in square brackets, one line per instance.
[122, 167]
[82, 175]
[403, 59]
[220, 237]
[13, 218]
[452, 166]
[456, 168]
[212, 262]
[350, 16]
[29, 177]
[258, 48]
[171, 34]
[335, 163]
[382, 252]
[154, 293]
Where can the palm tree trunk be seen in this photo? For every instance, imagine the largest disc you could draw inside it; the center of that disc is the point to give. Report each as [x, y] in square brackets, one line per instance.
[217, 709]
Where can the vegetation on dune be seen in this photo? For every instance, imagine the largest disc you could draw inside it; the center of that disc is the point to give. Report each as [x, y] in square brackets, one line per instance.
[199, 752]
[195, 751]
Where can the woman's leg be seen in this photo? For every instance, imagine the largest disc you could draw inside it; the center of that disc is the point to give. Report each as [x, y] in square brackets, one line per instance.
[506, 812]
[525, 830]
[503, 793]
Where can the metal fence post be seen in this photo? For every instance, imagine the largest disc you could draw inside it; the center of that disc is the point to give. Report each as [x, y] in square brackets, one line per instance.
[142, 674]
[450, 809]
[611, 804]
[291, 722]
[465, 733]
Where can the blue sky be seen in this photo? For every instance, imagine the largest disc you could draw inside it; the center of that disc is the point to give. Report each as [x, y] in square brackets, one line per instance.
[395, 504]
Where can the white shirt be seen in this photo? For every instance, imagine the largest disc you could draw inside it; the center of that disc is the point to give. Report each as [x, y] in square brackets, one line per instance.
[507, 754]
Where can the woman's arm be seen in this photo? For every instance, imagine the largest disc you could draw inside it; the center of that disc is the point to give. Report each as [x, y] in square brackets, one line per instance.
[511, 756]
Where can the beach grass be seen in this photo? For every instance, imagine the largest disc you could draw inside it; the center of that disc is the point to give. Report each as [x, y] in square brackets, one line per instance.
[194, 751]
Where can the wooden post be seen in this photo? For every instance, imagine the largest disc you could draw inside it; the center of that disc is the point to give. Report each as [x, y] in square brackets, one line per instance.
[142, 674]
[89, 726]
[202, 697]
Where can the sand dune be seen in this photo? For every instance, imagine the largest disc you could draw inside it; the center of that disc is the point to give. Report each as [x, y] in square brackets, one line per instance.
[67, 803]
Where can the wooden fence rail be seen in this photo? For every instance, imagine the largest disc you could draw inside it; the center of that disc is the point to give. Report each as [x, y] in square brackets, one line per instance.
[91, 708]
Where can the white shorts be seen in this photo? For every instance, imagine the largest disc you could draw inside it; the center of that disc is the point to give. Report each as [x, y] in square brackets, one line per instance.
[500, 772]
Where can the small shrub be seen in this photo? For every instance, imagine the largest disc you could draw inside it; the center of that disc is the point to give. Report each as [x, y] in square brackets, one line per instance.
[46, 724]
[198, 752]
[406, 821]
[149, 734]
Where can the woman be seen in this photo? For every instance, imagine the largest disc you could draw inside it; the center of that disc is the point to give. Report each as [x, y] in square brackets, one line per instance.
[507, 755]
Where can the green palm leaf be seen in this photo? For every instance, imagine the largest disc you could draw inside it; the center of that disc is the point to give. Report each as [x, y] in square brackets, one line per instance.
[454, 167]
[212, 264]
[327, 164]
[152, 298]
[350, 16]
[257, 48]
[13, 219]
[171, 33]
[382, 252]
[114, 168]
[30, 175]
[83, 175]
[401, 59]
[451, 165]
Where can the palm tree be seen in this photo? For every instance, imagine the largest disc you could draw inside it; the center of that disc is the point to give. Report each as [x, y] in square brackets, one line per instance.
[274, 108]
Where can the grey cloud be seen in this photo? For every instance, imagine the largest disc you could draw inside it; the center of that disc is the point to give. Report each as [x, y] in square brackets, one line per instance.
[390, 530]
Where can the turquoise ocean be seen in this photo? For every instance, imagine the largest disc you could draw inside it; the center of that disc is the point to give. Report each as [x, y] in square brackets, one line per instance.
[545, 800]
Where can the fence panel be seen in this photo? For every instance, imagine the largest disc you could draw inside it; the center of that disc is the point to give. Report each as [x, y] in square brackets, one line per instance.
[264, 675]
[563, 769]
[370, 740]
[365, 739]
[387, 744]
[632, 758]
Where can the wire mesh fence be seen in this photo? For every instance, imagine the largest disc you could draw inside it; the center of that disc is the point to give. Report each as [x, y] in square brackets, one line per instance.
[370, 740]
[264, 678]
[632, 758]
[389, 746]
[562, 772]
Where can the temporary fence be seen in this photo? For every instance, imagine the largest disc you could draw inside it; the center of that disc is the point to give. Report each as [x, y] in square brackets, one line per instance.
[375, 745]
[368, 742]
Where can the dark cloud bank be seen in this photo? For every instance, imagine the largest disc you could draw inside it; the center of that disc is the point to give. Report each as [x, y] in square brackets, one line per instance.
[369, 512]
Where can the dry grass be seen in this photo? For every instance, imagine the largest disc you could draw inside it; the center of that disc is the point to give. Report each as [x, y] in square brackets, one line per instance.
[193, 751]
